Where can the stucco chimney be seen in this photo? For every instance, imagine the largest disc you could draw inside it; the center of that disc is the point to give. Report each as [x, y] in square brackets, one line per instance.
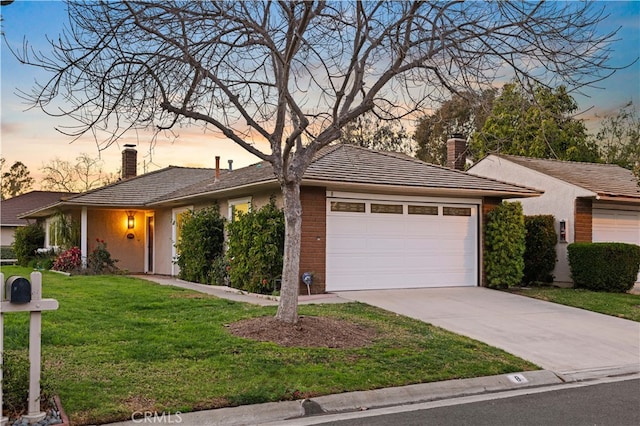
[217, 167]
[456, 152]
[129, 162]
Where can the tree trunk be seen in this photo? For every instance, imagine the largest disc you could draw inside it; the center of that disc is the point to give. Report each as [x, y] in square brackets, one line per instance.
[288, 307]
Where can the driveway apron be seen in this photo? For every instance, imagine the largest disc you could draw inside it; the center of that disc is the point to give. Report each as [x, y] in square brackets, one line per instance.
[555, 337]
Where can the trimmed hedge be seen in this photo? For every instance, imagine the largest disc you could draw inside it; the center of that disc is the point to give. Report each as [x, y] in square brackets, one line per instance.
[540, 249]
[27, 240]
[611, 267]
[504, 245]
[201, 243]
[256, 248]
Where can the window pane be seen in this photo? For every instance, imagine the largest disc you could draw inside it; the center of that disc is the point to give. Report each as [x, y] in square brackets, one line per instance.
[240, 207]
[387, 208]
[424, 210]
[341, 206]
[456, 211]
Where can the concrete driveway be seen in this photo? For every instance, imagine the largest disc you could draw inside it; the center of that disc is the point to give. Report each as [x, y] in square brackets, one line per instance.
[571, 342]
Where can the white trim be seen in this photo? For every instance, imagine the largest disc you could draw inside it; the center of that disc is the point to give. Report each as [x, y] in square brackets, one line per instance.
[83, 236]
[148, 270]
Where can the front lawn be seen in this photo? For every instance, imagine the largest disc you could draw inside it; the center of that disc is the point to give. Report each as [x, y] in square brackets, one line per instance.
[622, 305]
[119, 345]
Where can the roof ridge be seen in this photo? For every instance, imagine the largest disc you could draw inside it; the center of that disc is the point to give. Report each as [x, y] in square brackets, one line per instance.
[557, 160]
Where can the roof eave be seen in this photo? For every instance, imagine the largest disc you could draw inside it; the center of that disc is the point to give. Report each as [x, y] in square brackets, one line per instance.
[618, 198]
[416, 190]
[229, 191]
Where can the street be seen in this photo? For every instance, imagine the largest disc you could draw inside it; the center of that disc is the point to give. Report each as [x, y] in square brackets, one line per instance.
[615, 403]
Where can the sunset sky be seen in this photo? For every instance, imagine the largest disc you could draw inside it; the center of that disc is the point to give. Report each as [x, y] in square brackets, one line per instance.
[28, 135]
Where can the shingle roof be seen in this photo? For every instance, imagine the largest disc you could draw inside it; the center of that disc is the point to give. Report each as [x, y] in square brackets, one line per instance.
[349, 163]
[143, 189]
[13, 207]
[353, 164]
[337, 163]
[607, 180]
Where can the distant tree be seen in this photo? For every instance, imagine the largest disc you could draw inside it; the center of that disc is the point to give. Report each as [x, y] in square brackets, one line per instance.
[464, 113]
[17, 180]
[535, 122]
[83, 175]
[282, 79]
[619, 138]
[369, 132]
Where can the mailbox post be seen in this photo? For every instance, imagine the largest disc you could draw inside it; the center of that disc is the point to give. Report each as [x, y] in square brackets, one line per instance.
[16, 299]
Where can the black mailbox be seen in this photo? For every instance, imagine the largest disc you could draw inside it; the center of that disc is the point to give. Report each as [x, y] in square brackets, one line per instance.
[18, 290]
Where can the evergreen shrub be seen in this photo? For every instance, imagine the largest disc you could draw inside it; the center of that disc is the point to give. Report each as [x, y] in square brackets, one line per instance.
[27, 240]
[504, 245]
[540, 249]
[256, 249]
[611, 267]
[201, 242]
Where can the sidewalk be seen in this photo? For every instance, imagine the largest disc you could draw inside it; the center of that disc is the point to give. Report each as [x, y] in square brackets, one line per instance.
[239, 295]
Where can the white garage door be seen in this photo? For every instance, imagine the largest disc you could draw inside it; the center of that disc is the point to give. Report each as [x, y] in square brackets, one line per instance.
[616, 226]
[374, 244]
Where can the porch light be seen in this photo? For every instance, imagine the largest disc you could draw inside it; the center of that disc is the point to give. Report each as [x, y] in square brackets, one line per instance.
[131, 220]
[563, 231]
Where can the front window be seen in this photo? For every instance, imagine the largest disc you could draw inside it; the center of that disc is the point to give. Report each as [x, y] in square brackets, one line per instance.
[240, 205]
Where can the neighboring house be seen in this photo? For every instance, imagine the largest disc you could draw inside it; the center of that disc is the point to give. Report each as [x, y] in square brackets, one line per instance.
[591, 202]
[371, 220]
[12, 208]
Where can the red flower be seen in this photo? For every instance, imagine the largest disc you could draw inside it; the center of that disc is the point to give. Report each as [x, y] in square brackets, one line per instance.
[265, 281]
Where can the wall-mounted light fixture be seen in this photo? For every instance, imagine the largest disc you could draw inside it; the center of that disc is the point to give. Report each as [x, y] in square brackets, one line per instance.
[131, 219]
[563, 231]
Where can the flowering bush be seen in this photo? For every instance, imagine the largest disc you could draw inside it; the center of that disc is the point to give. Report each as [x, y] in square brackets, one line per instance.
[99, 260]
[68, 261]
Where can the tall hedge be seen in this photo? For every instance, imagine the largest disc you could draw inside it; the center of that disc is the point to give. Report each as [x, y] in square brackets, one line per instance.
[540, 249]
[255, 250]
[201, 243]
[504, 245]
[27, 240]
[611, 267]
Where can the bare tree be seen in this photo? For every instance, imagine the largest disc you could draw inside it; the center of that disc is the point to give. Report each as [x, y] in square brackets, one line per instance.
[85, 174]
[291, 75]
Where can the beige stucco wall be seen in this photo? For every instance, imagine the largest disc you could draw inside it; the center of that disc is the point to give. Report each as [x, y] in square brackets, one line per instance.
[558, 200]
[111, 226]
[7, 235]
[164, 243]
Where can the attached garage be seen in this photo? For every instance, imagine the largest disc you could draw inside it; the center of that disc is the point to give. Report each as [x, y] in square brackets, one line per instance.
[378, 243]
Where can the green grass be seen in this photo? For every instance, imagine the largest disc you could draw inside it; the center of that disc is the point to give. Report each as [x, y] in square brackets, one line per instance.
[622, 305]
[119, 344]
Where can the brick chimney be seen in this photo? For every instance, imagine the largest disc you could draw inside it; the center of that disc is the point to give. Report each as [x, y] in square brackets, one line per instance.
[129, 162]
[456, 152]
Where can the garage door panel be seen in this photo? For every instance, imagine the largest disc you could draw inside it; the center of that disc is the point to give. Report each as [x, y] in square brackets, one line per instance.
[385, 250]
